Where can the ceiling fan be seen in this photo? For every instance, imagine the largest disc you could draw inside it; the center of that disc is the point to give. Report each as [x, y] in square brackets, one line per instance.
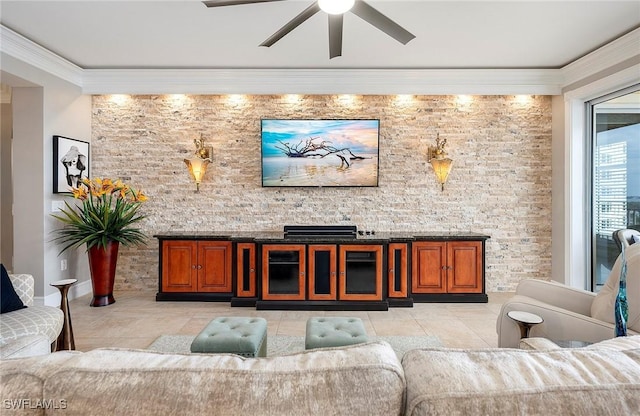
[335, 10]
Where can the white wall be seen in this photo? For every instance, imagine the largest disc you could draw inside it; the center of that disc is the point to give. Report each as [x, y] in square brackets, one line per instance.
[29, 192]
[6, 193]
[47, 106]
[558, 236]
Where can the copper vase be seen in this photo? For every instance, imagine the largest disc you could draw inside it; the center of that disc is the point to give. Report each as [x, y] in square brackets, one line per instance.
[102, 264]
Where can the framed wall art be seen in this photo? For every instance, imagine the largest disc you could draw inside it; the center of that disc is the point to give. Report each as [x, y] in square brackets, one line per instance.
[318, 153]
[70, 163]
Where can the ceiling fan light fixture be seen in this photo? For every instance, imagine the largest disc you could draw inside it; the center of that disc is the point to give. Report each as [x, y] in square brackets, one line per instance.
[335, 6]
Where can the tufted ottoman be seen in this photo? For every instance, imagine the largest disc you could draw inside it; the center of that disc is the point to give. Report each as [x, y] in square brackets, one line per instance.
[246, 337]
[334, 332]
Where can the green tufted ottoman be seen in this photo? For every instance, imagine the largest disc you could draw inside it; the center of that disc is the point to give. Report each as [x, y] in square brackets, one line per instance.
[246, 337]
[334, 332]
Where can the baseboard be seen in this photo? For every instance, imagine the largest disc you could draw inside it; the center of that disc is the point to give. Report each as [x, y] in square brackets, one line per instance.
[80, 289]
[77, 290]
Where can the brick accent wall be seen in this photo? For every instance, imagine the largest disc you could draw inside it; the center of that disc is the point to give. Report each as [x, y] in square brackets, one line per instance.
[500, 184]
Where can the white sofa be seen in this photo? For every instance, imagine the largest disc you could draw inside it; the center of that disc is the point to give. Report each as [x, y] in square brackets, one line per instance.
[362, 379]
[602, 379]
[31, 330]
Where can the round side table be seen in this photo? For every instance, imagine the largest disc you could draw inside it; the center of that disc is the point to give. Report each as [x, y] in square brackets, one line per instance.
[65, 339]
[525, 321]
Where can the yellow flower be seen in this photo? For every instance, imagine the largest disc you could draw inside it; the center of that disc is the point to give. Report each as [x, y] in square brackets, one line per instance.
[139, 197]
[97, 192]
[107, 186]
[124, 191]
[99, 187]
[94, 186]
[80, 193]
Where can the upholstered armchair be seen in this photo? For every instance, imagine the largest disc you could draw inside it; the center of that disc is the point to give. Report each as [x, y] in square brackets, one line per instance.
[570, 313]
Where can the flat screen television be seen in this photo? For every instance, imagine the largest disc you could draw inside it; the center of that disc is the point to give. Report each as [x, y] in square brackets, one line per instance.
[319, 152]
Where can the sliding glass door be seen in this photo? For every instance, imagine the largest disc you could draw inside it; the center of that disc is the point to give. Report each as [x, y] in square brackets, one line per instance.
[615, 184]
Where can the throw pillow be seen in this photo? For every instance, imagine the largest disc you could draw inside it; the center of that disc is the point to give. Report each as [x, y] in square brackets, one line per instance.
[9, 299]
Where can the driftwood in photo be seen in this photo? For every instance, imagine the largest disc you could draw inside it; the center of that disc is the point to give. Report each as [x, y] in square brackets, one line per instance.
[312, 148]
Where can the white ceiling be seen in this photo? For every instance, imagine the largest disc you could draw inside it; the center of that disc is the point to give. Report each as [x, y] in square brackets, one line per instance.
[449, 34]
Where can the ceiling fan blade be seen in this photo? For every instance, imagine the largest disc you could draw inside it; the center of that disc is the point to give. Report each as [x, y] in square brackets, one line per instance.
[382, 22]
[219, 3]
[335, 35]
[292, 24]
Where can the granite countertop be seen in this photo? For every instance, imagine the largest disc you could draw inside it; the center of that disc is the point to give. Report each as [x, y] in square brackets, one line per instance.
[450, 235]
[279, 237]
[190, 235]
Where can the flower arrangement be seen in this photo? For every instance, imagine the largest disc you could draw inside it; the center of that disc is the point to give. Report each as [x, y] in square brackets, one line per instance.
[108, 213]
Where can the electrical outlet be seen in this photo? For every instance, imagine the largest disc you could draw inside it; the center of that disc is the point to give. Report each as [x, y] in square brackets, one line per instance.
[63, 264]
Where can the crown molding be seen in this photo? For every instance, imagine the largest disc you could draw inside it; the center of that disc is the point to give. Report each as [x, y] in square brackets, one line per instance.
[25, 50]
[323, 81]
[326, 81]
[282, 81]
[604, 85]
[625, 48]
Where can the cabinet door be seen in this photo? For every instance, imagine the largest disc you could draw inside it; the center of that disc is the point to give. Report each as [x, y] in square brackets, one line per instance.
[464, 274]
[283, 272]
[246, 270]
[322, 272]
[397, 264]
[214, 266]
[360, 272]
[429, 274]
[179, 266]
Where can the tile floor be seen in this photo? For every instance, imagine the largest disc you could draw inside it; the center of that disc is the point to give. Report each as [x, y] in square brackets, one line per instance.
[136, 320]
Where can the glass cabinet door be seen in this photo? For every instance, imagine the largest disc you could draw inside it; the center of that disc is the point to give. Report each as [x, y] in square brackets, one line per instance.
[322, 272]
[360, 272]
[283, 272]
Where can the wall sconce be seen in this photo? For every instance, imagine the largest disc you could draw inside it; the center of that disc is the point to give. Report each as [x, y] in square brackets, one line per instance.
[439, 160]
[197, 164]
